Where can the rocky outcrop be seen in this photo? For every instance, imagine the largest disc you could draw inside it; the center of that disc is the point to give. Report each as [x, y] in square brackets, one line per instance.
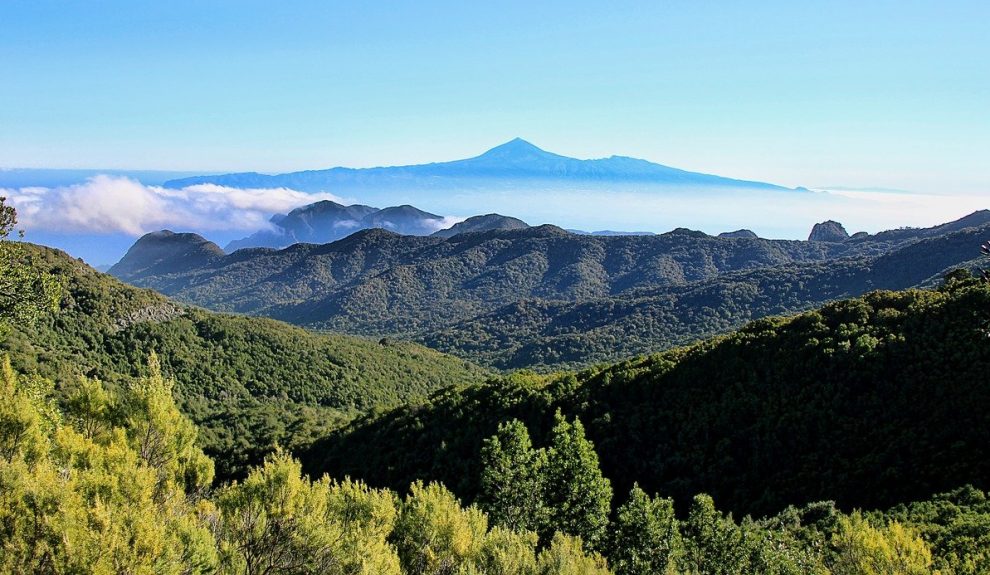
[828, 231]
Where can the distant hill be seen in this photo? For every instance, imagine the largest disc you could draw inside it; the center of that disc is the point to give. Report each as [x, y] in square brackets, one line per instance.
[166, 252]
[250, 383]
[483, 223]
[544, 297]
[326, 221]
[512, 162]
[405, 219]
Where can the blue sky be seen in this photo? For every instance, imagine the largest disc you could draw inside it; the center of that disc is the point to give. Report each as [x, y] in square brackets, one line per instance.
[861, 94]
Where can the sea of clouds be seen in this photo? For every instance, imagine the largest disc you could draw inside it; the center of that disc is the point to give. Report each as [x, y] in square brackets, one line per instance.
[113, 204]
[118, 208]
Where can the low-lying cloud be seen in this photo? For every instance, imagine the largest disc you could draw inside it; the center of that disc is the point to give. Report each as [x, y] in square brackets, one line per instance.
[443, 223]
[111, 204]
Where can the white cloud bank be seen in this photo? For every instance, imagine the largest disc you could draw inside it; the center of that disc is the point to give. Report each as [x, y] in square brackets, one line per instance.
[110, 204]
[113, 204]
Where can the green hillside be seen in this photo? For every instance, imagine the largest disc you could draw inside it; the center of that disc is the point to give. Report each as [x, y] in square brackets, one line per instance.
[868, 402]
[248, 382]
[564, 334]
[542, 297]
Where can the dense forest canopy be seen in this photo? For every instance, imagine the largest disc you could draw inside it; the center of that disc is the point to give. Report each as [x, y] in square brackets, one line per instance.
[250, 383]
[115, 482]
[543, 298]
[872, 403]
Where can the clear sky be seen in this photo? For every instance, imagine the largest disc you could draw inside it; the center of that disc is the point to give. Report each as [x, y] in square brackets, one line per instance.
[892, 94]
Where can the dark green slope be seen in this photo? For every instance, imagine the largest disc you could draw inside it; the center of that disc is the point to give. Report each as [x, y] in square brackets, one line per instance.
[870, 402]
[377, 282]
[542, 297]
[558, 334]
[248, 382]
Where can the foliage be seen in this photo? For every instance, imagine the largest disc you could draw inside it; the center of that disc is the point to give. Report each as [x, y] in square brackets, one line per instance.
[566, 556]
[512, 479]
[558, 488]
[116, 484]
[862, 549]
[714, 544]
[645, 539]
[249, 383]
[25, 292]
[869, 402]
[277, 521]
[543, 298]
[956, 525]
[73, 501]
[577, 496]
[434, 535]
[164, 438]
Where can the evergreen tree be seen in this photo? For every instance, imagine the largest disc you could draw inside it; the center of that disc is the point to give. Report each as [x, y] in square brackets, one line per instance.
[506, 552]
[278, 521]
[512, 478]
[77, 502]
[713, 543]
[162, 436]
[575, 491]
[645, 537]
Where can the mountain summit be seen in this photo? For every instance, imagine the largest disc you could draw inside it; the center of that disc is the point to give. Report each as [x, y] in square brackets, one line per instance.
[515, 148]
[517, 165]
[516, 151]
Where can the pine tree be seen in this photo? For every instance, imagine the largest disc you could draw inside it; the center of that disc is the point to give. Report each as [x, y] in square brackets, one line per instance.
[512, 479]
[714, 544]
[575, 491]
[645, 537]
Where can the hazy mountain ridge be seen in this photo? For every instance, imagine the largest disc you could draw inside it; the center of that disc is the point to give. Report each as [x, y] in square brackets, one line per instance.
[513, 161]
[326, 221]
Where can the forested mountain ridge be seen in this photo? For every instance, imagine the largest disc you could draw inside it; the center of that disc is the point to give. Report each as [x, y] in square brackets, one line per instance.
[250, 383]
[501, 297]
[868, 402]
[540, 333]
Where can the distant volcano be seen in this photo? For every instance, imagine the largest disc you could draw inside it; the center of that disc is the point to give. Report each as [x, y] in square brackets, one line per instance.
[510, 165]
